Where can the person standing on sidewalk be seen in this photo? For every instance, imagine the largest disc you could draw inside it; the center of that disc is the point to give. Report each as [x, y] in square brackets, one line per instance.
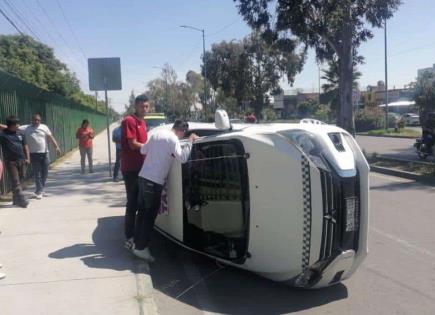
[116, 137]
[162, 148]
[85, 134]
[16, 157]
[2, 275]
[37, 136]
[133, 136]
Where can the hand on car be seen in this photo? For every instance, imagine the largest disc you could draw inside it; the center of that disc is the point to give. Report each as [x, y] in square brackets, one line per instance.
[193, 137]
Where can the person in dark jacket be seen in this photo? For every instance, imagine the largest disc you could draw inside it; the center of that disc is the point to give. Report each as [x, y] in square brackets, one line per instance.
[16, 155]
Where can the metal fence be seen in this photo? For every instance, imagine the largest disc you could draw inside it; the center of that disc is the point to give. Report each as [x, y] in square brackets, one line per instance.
[61, 115]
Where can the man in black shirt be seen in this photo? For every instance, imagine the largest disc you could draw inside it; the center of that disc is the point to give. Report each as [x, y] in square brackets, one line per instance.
[16, 156]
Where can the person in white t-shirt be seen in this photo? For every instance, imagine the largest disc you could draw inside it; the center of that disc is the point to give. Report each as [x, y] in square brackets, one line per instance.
[161, 149]
[37, 136]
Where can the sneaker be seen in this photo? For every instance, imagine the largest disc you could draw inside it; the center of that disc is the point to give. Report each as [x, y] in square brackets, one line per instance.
[2, 275]
[129, 244]
[144, 254]
[38, 196]
[44, 194]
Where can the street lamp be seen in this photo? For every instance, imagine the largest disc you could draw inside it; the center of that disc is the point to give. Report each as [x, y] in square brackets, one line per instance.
[203, 60]
[166, 87]
[386, 75]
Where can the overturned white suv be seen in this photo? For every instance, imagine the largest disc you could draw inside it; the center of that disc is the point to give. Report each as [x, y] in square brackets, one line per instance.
[286, 201]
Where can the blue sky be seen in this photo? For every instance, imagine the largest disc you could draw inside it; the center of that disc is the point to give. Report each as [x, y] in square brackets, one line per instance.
[145, 34]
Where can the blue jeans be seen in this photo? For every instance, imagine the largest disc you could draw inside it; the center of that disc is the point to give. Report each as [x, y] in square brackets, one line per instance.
[40, 162]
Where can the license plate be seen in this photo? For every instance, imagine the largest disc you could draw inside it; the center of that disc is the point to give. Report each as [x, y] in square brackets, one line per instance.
[352, 214]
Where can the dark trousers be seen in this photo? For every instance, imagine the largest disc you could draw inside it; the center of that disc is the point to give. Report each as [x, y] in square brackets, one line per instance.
[40, 164]
[86, 152]
[149, 200]
[16, 170]
[117, 164]
[131, 189]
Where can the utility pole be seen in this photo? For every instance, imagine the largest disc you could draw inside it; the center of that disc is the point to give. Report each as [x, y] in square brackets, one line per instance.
[319, 83]
[96, 100]
[203, 60]
[386, 75]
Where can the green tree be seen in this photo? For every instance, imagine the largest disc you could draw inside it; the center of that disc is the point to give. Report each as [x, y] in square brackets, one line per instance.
[250, 69]
[35, 63]
[334, 28]
[331, 87]
[228, 69]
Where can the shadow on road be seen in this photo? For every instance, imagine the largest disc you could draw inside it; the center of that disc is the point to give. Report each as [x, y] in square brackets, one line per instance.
[198, 281]
[107, 251]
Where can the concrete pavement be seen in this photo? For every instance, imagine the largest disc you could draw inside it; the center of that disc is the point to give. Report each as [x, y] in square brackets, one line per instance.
[64, 254]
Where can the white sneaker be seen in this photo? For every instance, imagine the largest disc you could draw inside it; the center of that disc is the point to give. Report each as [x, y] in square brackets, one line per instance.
[2, 276]
[144, 254]
[38, 196]
[129, 244]
[44, 194]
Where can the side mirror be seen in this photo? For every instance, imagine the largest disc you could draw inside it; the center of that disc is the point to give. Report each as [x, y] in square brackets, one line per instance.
[221, 120]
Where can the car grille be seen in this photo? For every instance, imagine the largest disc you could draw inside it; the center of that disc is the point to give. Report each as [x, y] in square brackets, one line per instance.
[337, 235]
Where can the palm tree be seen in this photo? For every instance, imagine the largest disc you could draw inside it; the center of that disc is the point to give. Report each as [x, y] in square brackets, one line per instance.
[330, 88]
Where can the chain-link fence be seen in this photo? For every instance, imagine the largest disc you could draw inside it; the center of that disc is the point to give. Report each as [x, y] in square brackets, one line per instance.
[61, 115]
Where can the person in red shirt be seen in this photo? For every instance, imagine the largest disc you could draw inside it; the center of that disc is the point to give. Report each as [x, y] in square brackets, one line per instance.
[133, 136]
[85, 134]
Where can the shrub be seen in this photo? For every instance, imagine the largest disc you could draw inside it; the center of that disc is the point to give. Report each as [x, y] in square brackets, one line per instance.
[369, 119]
[322, 113]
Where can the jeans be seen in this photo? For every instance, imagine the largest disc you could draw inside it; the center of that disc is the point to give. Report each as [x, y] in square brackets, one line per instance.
[131, 189]
[149, 200]
[16, 171]
[40, 162]
[86, 152]
[117, 164]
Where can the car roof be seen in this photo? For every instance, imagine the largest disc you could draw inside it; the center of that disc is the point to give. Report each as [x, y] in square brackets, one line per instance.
[263, 128]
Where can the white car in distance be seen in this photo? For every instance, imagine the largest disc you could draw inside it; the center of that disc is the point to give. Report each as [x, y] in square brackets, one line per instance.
[411, 119]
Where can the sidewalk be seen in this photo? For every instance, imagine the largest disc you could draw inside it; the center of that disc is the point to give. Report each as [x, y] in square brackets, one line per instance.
[64, 254]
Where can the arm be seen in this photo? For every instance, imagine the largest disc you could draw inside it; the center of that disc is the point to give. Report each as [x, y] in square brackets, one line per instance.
[3, 126]
[129, 129]
[26, 153]
[182, 154]
[54, 142]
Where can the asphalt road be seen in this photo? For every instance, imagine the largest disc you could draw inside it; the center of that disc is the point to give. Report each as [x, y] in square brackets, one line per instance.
[398, 277]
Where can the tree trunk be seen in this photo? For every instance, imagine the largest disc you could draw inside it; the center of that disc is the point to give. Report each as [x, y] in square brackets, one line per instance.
[345, 117]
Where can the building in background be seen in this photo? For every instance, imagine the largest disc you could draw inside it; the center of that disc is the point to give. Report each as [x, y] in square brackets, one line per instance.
[285, 104]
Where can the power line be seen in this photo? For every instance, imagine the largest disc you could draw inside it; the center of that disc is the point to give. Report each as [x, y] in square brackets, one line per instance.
[19, 16]
[71, 29]
[34, 17]
[11, 22]
[224, 28]
[60, 34]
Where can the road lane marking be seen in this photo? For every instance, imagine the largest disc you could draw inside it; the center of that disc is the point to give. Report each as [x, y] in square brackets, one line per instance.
[404, 243]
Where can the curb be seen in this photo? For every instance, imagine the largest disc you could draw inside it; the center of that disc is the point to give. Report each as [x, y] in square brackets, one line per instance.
[386, 136]
[144, 286]
[404, 174]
